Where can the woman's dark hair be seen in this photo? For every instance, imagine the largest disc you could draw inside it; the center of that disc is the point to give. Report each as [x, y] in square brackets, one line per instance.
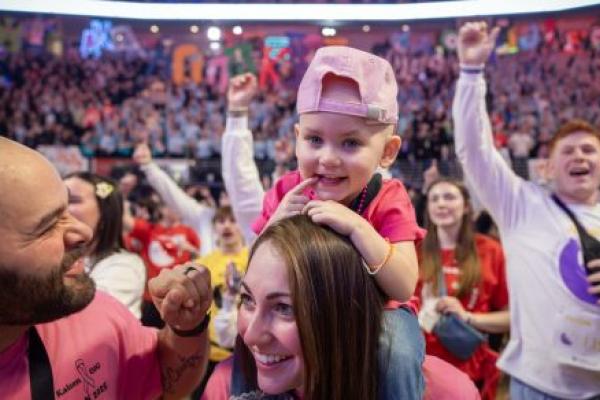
[338, 309]
[108, 235]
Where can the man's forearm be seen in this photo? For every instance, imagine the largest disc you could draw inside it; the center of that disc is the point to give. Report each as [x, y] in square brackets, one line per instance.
[183, 362]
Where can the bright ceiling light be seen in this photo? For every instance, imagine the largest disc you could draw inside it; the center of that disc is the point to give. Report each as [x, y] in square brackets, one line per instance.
[213, 33]
[327, 31]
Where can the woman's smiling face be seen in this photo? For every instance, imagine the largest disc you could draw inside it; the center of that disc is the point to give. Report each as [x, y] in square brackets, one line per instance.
[267, 324]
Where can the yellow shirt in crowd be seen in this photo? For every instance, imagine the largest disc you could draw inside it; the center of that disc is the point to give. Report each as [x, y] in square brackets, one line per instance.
[217, 262]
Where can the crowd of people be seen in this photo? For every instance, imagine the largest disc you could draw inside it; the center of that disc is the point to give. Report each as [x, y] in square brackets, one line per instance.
[320, 284]
[129, 99]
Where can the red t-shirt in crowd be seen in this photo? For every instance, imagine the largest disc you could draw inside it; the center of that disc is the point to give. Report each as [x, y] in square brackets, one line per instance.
[490, 295]
[160, 246]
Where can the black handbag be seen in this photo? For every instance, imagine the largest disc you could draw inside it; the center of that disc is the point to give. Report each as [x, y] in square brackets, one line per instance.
[457, 336]
[589, 245]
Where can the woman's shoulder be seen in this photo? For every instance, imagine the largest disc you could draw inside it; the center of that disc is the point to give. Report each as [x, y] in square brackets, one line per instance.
[123, 257]
[219, 383]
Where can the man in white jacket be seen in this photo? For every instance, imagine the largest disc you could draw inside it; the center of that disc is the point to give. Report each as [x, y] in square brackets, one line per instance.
[554, 348]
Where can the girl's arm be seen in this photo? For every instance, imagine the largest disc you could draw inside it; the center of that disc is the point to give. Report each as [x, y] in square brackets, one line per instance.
[394, 265]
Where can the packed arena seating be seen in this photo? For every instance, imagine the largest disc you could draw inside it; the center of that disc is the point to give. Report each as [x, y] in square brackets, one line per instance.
[106, 105]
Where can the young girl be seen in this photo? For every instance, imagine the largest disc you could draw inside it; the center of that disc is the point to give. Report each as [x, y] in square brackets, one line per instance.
[347, 114]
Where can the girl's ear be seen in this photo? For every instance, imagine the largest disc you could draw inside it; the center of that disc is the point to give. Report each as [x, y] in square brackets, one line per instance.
[297, 129]
[390, 151]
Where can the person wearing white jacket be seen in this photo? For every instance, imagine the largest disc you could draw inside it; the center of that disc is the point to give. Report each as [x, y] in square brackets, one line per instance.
[191, 212]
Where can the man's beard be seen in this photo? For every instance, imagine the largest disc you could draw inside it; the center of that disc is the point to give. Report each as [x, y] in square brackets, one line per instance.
[29, 300]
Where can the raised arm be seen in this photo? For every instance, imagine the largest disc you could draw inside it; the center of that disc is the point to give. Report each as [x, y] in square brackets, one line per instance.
[393, 263]
[240, 174]
[175, 197]
[189, 210]
[183, 296]
[499, 189]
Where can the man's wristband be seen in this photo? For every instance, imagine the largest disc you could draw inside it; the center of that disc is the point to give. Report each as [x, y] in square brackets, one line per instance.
[197, 331]
[472, 69]
[237, 111]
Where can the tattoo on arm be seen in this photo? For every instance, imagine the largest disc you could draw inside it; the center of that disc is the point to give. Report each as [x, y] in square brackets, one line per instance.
[171, 374]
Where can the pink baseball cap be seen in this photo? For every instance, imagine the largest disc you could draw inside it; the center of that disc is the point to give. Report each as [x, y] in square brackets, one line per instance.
[374, 76]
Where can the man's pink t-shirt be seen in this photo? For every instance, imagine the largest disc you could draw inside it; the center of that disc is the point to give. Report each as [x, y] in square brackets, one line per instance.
[101, 352]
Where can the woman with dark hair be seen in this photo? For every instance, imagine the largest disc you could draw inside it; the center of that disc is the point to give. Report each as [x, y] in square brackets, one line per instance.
[309, 321]
[461, 273]
[97, 202]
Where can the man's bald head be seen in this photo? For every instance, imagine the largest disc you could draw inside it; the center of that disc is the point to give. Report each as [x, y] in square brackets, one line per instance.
[20, 168]
[14, 156]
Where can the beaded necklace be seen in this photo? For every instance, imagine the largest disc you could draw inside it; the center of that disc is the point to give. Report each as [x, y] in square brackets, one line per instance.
[368, 193]
[361, 204]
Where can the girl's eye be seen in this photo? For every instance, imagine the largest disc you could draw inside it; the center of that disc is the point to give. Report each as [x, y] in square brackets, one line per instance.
[73, 199]
[314, 140]
[449, 197]
[246, 300]
[351, 143]
[284, 309]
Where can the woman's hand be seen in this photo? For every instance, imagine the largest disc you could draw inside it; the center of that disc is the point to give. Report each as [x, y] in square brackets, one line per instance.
[449, 304]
